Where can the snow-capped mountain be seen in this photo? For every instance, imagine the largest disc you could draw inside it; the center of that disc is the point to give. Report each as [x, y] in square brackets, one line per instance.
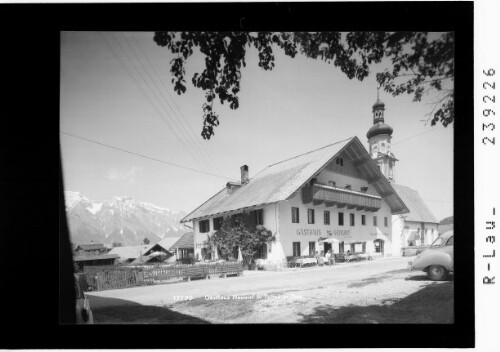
[121, 219]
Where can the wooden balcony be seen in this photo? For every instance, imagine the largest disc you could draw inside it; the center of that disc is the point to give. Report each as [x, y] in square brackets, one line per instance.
[318, 194]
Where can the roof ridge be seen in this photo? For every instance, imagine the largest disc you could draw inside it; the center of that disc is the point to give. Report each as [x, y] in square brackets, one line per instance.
[315, 150]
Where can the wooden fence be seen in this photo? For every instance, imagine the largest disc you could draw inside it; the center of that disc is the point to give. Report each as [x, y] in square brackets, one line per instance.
[112, 277]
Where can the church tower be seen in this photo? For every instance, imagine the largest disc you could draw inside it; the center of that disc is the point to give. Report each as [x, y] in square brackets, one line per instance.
[379, 141]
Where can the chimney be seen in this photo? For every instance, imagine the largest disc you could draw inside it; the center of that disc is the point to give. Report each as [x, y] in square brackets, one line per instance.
[244, 174]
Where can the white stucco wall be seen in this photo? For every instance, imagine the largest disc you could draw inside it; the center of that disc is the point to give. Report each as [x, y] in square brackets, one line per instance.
[269, 217]
[405, 228]
[304, 233]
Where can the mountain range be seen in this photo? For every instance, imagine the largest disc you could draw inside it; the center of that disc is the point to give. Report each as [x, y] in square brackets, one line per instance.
[119, 220]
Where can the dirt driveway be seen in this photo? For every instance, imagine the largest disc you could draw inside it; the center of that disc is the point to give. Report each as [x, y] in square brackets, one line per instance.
[373, 292]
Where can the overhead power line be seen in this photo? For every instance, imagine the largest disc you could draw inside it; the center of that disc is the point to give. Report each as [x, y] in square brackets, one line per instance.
[145, 156]
[183, 119]
[160, 113]
[161, 99]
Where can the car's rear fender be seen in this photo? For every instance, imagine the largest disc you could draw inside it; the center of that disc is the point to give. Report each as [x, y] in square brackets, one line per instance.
[437, 258]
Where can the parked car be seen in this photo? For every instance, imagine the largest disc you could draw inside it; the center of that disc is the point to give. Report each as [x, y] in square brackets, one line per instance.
[83, 311]
[413, 250]
[437, 260]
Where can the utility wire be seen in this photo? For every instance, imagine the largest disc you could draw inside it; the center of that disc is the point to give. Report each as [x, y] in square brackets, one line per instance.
[183, 118]
[146, 95]
[193, 153]
[161, 98]
[417, 135]
[144, 156]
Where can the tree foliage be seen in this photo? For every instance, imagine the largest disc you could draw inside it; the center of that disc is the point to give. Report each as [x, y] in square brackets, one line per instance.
[239, 232]
[419, 64]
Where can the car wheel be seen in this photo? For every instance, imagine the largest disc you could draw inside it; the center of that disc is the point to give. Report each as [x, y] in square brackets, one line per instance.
[437, 272]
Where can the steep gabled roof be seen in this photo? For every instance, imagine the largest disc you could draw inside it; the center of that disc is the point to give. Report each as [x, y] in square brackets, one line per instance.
[186, 241]
[84, 258]
[419, 211]
[90, 246]
[279, 181]
[130, 252]
[168, 242]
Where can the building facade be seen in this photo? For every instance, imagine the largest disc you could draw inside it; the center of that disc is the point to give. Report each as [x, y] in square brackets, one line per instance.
[419, 226]
[336, 193]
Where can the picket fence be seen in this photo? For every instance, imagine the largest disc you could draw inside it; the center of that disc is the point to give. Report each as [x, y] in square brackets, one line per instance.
[101, 278]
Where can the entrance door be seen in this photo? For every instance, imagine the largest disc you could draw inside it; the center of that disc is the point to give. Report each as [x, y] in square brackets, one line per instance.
[379, 246]
[328, 246]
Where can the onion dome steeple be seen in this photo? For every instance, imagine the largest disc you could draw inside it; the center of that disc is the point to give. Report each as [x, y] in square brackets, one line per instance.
[379, 140]
[379, 127]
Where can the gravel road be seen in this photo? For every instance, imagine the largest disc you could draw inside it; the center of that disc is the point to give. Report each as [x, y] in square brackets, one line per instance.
[379, 291]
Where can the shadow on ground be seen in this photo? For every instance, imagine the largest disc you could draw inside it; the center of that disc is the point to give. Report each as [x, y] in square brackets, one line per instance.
[426, 278]
[433, 304]
[119, 311]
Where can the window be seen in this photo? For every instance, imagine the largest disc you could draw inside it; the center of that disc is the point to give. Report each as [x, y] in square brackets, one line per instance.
[378, 246]
[261, 252]
[363, 220]
[374, 221]
[386, 222]
[340, 161]
[235, 220]
[257, 217]
[217, 223]
[326, 217]
[310, 216]
[205, 254]
[312, 248]
[204, 226]
[450, 241]
[351, 218]
[341, 219]
[296, 249]
[295, 215]
[331, 183]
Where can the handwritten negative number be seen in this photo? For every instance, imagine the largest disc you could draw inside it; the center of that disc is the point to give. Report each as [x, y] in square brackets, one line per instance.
[487, 97]
[489, 112]
[488, 126]
[492, 140]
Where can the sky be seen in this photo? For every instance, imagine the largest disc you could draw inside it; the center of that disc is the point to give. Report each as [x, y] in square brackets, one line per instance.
[116, 90]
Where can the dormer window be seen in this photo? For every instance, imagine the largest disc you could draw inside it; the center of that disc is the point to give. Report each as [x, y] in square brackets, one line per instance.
[340, 161]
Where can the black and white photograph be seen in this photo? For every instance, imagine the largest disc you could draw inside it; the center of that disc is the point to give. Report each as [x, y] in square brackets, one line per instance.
[216, 177]
[249, 175]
